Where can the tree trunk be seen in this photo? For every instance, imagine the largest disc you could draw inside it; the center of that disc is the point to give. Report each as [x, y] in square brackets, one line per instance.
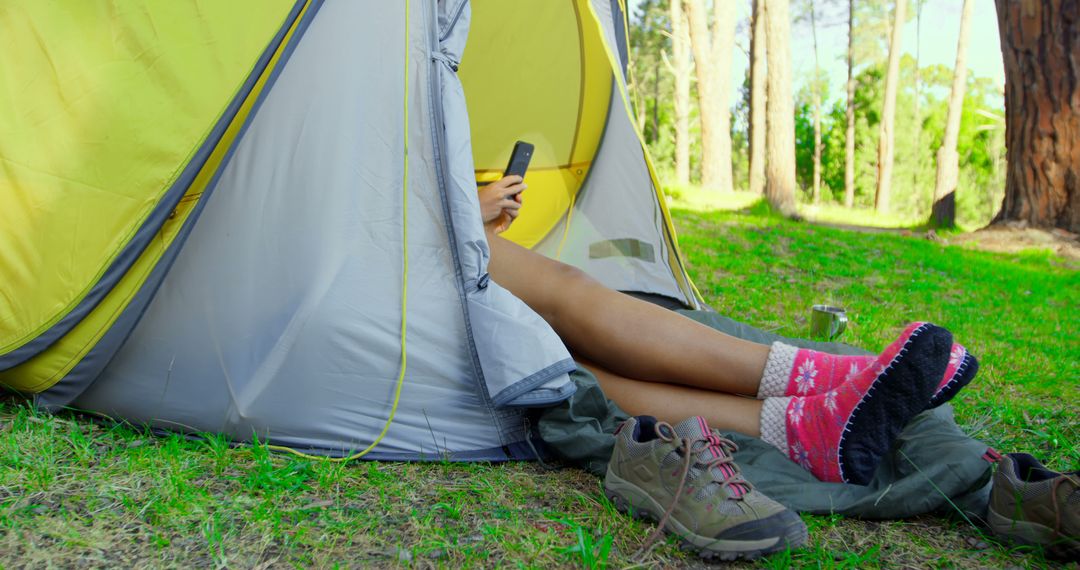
[849, 139]
[712, 62]
[943, 213]
[725, 18]
[680, 68]
[1040, 41]
[656, 94]
[918, 91]
[816, 90]
[888, 111]
[757, 98]
[780, 110]
[636, 90]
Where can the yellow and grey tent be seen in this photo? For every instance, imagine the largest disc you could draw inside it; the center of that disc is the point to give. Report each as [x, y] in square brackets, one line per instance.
[259, 217]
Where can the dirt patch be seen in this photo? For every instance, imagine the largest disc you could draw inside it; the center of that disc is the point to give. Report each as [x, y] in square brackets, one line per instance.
[1009, 237]
[1013, 238]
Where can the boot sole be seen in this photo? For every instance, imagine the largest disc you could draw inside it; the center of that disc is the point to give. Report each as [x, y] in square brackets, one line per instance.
[631, 499]
[890, 402]
[964, 375]
[1033, 534]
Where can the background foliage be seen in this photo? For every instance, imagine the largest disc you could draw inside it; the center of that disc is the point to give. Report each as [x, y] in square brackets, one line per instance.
[982, 132]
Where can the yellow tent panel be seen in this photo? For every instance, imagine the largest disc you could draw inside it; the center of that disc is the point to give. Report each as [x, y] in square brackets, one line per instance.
[46, 368]
[90, 146]
[541, 75]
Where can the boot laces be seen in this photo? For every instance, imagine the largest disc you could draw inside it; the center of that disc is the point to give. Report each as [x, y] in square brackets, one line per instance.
[1053, 499]
[689, 449]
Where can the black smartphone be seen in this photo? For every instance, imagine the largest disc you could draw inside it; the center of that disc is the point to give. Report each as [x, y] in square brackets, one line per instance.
[519, 159]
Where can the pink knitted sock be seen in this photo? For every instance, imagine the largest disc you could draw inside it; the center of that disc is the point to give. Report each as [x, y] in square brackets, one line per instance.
[791, 371]
[841, 435]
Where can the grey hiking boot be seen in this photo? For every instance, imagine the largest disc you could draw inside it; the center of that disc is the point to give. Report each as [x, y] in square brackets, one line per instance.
[1031, 504]
[685, 477]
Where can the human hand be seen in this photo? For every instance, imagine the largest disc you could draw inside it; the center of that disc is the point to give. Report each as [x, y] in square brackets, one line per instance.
[500, 202]
[506, 217]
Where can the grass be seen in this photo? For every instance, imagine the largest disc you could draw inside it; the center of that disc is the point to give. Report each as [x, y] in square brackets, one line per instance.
[75, 492]
[698, 199]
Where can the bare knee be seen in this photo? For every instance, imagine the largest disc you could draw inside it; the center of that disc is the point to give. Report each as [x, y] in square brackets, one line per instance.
[568, 288]
[551, 288]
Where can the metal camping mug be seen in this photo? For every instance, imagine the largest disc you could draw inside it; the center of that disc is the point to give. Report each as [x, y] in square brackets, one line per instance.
[827, 322]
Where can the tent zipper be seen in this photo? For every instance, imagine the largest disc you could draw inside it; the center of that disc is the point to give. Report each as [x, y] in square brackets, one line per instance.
[442, 56]
[442, 177]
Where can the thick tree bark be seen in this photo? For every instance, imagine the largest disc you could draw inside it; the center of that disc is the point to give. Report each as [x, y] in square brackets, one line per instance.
[1040, 42]
[780, 110]
[816, 90]
[943, 213]
[712, 62]
[849, 139]
[888, 111]
[680, 68]
[757, 97]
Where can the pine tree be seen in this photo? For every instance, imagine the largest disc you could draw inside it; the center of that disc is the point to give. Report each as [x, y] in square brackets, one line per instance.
[780, 116]
[712, 64]
[757, 97]
[1040, 40]
[886, 142]
[948, 163]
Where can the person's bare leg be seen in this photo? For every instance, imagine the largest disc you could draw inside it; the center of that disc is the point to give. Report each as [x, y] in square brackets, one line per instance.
[622, 334]
[672, 403]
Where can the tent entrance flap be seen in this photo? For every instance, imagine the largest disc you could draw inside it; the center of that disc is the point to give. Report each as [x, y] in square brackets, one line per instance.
[546, 72]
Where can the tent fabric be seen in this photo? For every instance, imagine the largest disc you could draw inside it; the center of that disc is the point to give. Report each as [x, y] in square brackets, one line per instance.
[555, 95]
[934, 466]
[291, 310]
[96, 157]
[80, 356]
[83, 329]
[496, 318]
[611, 223]
[619, 180]
[302, 259]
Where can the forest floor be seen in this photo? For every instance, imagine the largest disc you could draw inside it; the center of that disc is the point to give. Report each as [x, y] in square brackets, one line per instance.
[74, 492]
[1013, 238]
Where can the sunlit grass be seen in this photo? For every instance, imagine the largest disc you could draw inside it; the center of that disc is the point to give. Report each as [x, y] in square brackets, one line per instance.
[865, 217]
[695, 198]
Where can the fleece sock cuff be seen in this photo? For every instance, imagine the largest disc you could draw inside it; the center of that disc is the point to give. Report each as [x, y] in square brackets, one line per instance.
[773, 424]
[778, 367]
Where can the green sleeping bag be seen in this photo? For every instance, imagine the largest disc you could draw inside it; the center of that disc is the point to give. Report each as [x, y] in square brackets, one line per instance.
[934, 466]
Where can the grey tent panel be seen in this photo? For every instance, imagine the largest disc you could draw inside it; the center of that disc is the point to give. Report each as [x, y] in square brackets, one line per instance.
[617, 202]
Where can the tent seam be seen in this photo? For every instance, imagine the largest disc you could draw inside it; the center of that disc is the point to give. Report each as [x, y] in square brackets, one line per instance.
[438, 134]
[523, 386]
